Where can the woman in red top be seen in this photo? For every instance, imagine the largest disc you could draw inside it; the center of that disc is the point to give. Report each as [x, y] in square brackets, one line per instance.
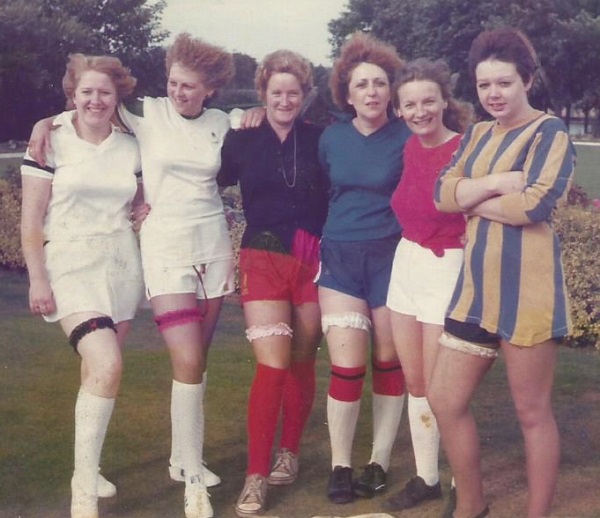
[428, 258]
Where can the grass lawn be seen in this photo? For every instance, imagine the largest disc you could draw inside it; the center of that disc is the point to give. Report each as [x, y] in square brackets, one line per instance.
[587, 172]
[39, 382]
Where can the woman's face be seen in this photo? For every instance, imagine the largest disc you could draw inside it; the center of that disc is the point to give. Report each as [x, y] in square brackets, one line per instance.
[501, 91]
[283, 99]
[186, 90]
[422, 106]
[369, 92]
[95, 99]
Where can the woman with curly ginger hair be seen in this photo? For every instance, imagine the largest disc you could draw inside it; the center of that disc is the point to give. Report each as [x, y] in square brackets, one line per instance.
[284, 191]
[186, 250]
[77, 206]
[363, 157]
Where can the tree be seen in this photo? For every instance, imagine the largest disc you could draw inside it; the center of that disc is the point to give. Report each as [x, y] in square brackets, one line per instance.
[240, 92]
[566, 34]
[36, 37]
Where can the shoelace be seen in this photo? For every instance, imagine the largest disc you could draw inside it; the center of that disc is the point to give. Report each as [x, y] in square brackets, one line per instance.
[254, 492]
[285, 462]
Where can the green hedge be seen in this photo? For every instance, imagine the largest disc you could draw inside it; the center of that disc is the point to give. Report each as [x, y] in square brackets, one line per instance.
[577, 224]
[579, 229]
[10, 216]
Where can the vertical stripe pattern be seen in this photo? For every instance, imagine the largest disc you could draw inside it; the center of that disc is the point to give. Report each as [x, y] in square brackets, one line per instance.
[512, 282]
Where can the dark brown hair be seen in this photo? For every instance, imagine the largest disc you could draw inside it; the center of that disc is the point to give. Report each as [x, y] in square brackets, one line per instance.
[508, 45]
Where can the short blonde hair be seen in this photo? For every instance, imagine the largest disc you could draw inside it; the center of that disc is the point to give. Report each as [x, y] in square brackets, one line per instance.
[77, 64]
[283, 61]
[213, 63]
[361, 48]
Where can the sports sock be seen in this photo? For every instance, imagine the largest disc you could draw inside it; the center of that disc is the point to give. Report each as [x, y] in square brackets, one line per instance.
[425, 439]
[175, 459]
[264, 406]
[298, 397]
[388, 401]
[188, 409]
[343, 407]
[92, 415]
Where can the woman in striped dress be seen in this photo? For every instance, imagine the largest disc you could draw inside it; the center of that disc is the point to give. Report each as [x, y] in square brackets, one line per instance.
[507, 177]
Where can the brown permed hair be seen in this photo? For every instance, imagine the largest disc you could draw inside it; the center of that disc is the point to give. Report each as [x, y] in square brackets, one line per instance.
[361, 48]
[458, 115]
[78, 63]
[213, 63]
[508, 45]
[283, 61]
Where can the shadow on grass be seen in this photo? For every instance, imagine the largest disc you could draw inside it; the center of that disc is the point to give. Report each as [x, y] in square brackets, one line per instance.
[38, 387]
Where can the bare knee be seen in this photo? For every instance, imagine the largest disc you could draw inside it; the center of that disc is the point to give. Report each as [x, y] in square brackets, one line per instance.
[415, 387]
[106, 375]
[532, 414]
[444, 406]
[101, 375]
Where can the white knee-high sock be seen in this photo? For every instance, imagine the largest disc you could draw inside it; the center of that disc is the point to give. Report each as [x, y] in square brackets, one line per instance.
[92, 415]
[342, 417]
[187, 408]
[425, 439]
[175, 459]
[387, 411]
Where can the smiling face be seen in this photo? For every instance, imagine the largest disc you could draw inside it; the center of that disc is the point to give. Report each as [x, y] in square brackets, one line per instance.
[422, 107]
[283, 99]
[186, 90]
[95, 99]
[501, 91]
[369, 93]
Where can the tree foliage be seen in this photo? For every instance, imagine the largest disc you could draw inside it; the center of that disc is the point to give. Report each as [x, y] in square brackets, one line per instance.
[240, 92]
[566, 34]
[36, 37]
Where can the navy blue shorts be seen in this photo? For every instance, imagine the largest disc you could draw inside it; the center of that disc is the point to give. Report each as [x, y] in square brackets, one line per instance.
[361, 269]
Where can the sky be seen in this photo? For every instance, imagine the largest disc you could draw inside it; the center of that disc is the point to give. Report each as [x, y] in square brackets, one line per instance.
[258, 27]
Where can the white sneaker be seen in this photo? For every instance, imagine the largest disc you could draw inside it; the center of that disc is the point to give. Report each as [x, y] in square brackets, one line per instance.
[285, 468]
[83, 505]
[253, 499]
[210, 479]
[196, 501]
[106, 489]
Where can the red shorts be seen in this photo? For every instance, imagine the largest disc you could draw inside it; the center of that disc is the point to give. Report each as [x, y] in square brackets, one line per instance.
[266, 275]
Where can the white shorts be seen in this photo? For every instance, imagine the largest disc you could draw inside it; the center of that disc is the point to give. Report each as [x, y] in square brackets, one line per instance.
[101, 274]
[213, 280]
[422, 283]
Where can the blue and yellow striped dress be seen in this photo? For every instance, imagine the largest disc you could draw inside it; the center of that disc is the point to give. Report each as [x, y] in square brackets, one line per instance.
[512, 280]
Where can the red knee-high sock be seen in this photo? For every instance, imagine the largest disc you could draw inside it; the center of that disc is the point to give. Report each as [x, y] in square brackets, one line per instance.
[263, 412]
[388, 378]
[298, 396]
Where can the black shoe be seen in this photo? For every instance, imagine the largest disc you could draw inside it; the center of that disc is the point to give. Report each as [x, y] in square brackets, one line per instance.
[451, 505]
[339, 490]
[415, 492]
[371, 481]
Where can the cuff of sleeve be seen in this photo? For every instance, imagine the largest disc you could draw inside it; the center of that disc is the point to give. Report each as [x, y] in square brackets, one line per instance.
[235, 118]
[447, 201]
